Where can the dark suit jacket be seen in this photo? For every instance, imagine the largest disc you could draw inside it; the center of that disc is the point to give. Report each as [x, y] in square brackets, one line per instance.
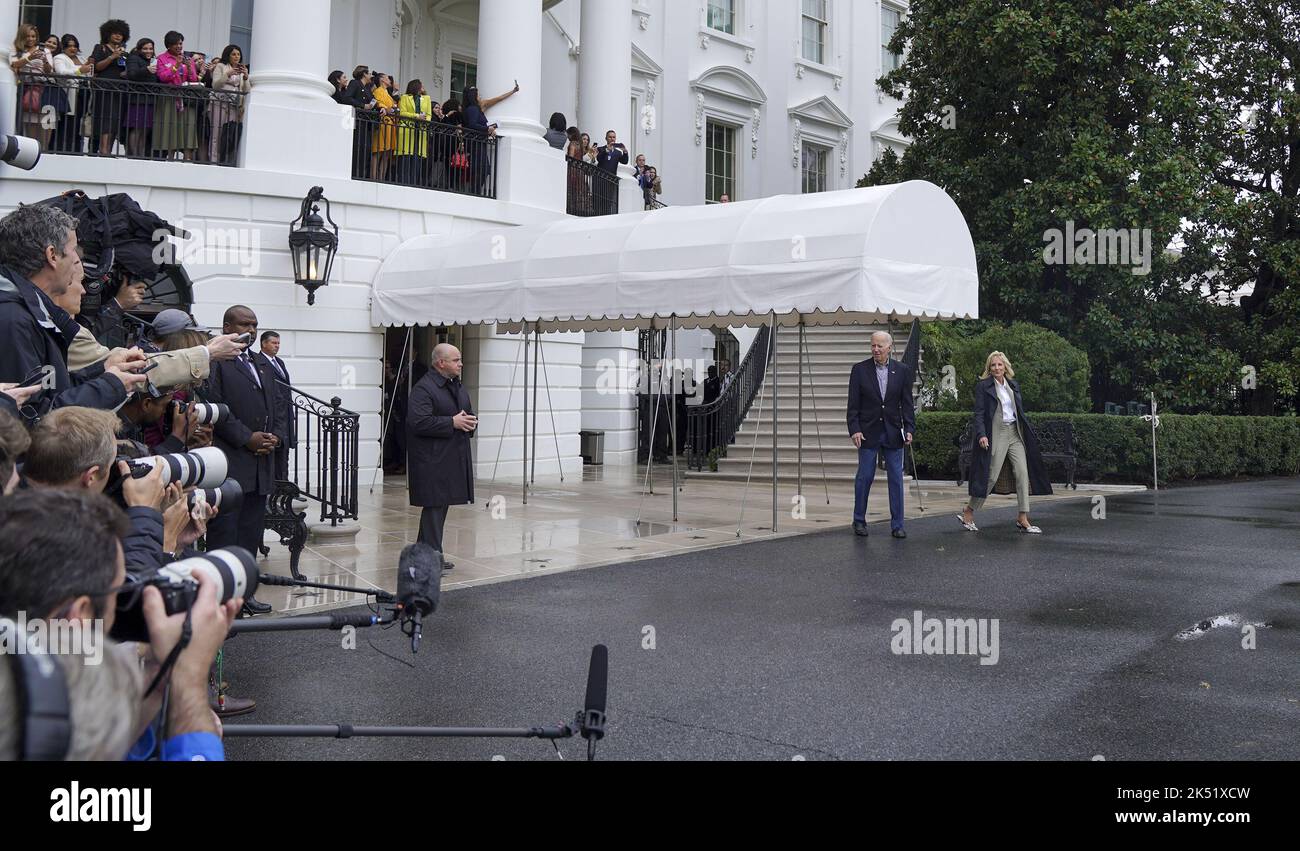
[439, 460]
[282, 378]
[881, 421]
[610, 162]
[251, 409]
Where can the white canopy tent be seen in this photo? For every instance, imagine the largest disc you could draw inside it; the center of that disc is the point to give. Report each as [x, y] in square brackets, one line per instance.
[858, 256]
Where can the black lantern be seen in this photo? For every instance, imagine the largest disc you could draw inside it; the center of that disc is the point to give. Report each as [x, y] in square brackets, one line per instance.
[312, 245]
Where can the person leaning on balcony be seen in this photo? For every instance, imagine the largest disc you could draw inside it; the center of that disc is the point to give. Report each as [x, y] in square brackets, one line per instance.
[418, 113]
[175, 118]
[107, 102]
[230, 82]
[384, 140]
[140, 65]
[68, 62]
[1002, 432]
[30, 56]
[555, 134]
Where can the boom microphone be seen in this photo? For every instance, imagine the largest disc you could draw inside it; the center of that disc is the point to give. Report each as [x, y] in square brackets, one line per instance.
[419, 584]
[591, 723]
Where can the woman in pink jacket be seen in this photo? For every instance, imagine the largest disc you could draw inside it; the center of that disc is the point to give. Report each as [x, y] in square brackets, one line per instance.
[175, 128]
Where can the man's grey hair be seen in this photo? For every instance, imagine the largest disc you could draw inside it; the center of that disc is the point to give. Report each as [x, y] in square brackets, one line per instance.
[28, 231]
[888, 336]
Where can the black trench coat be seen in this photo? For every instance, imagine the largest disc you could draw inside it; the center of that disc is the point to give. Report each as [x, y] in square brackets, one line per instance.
[440, 464]
[987, 406]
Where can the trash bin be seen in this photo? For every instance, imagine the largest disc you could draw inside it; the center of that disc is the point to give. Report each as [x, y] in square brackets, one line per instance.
[592, 445]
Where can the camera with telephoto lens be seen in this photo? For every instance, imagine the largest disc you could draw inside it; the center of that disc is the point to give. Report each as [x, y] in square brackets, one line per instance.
[202, 468]
[208, 413]
[233, 569]
[226, 498]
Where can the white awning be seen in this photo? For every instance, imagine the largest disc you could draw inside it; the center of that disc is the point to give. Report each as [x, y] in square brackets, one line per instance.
[833, 258]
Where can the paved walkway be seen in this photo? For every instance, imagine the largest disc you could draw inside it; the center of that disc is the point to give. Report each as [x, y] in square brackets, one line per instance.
[585, 523]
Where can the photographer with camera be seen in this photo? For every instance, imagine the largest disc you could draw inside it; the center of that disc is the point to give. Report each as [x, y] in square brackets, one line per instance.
[68, 564]
[39, 263]
[249, 437]
[167, 368]
[76, 449]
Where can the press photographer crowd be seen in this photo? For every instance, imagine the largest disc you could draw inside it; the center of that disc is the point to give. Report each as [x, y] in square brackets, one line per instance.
[136, 459]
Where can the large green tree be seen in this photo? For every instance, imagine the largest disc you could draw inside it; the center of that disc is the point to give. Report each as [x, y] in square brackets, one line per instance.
[1048, 117]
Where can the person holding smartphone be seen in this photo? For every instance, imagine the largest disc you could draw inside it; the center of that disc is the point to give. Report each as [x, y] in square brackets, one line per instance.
[108, 102]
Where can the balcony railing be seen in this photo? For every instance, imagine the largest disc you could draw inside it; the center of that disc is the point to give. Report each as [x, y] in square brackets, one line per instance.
[592, 192]
[92, 116]
[424, 154]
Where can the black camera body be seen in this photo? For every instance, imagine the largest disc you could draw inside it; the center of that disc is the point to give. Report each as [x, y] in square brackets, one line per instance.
[233, 569]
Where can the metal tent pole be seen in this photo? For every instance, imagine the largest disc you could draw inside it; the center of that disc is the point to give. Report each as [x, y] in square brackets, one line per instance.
[550, 406]
[392, 403]
[776, 426]
[673, 389]
[537, 360]
[526, 344]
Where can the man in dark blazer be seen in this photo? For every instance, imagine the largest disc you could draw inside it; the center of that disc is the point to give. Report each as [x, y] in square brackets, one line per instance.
[249, 438]
[271, 354]
[882, 418]
[608, 159]
[440, 423]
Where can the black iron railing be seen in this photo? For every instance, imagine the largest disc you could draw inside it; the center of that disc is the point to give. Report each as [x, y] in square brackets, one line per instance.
[327, 441]
[591, 191]
[713, 425]
[93, 116]
[424, 154]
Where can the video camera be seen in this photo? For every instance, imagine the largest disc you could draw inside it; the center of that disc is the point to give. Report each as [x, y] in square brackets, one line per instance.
[233, 569]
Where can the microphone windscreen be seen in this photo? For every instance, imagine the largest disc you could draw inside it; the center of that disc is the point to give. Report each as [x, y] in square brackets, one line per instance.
[419, 578]
[597, 679]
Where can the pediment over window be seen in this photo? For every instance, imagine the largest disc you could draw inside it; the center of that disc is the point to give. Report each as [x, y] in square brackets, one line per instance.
[731, 83]
[643, 64]
[822, 110]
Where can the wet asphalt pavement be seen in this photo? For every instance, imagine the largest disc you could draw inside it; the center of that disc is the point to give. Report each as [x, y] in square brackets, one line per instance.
[785, 649]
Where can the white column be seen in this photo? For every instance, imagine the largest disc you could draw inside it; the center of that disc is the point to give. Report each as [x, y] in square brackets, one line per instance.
[292, 125]
[9, 10]
[509, 49]
[605, 70]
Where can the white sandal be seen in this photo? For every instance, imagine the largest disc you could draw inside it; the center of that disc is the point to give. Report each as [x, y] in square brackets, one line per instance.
[1029, 530]
[969, 527]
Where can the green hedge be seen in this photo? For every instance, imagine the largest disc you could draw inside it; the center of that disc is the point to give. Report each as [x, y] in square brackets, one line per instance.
[1118, 449]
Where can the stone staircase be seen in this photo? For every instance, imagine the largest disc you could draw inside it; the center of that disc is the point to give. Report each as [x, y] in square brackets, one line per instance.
[831, 355]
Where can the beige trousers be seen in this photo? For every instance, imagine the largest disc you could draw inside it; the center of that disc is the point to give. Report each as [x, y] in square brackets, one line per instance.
[1006, 444]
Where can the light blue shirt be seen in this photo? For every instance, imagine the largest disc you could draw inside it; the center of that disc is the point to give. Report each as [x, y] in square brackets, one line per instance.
[882, 376]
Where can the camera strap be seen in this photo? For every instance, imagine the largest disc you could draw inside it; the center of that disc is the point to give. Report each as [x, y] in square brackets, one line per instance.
[187, 631]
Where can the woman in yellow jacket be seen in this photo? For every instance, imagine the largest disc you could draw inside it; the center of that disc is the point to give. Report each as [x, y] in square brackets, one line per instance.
[418, 112]
[381, 152]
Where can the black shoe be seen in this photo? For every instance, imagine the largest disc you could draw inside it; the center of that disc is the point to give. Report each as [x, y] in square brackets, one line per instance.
[899, 533]
[254, 606]
[448, 565]
[860, 529]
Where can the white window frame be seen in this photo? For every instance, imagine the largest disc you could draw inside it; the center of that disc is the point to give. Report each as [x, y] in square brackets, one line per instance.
[825, 24]
[451, 69]
[898, 57]
[825, 152]
[736, 127]
[735, 17]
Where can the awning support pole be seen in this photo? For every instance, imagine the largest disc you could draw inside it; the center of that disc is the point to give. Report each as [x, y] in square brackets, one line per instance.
[776, 425]
[550, 406]
[673, 387]
[392, 403]
[537, 359]
[526, 344]
[654, 422]
[505, 422]
[821, 448]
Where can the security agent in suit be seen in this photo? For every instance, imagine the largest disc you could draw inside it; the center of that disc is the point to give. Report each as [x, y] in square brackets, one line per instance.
[882, 418]
[440, 424]
[249, 438]
[271, 355]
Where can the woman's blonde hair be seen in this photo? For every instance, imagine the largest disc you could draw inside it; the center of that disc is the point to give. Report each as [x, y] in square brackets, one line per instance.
[20, 40]
[988, 363]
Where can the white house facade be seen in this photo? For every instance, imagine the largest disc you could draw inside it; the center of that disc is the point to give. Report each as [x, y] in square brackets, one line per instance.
[743, 98]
